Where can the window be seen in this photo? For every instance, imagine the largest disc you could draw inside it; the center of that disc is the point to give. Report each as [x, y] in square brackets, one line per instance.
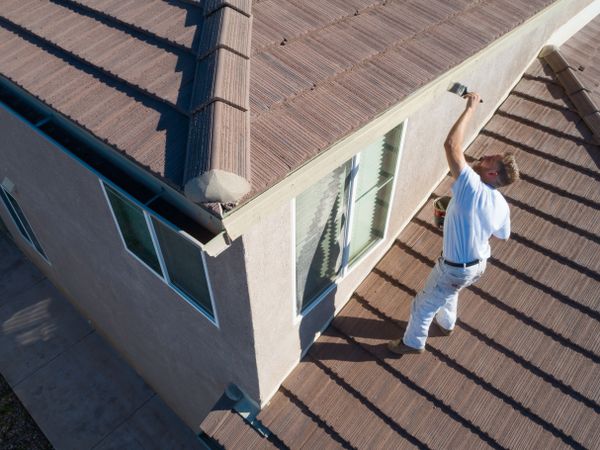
[184, 264]
[342, 216]
[135, 232]
[21, 222]
[164, 249]
[320, 213]
[373, 190]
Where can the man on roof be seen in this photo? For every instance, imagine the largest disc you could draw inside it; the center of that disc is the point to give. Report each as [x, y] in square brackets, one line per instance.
[476, 212]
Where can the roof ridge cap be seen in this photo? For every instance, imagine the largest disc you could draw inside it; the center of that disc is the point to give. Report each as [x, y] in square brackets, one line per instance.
[575, 89]
[241, 6]
[217, 162]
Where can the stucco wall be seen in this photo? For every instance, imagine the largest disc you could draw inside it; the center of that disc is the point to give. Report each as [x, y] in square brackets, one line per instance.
[182, 355]
[280, 336]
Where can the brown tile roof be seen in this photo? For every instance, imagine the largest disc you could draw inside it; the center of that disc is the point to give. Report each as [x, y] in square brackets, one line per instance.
[577, 66]
[323, 69]
[172, 21]
[122, 116]
[523, 368]
[90, 61]
[142, 71]
[164, 72]
[138, 75]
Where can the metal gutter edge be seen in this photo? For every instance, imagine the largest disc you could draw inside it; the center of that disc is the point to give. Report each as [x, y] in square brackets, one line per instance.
[240, 219]
[216, 245]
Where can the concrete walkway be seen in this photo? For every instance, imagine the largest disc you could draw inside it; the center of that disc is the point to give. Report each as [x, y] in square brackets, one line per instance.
[78, 390]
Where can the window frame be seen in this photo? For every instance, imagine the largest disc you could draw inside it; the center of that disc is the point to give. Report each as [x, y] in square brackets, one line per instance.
[165, 277]
[14, 216]
[347, 268]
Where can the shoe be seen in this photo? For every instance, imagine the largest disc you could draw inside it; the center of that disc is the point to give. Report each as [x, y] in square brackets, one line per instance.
[444, 331]
[398, 347]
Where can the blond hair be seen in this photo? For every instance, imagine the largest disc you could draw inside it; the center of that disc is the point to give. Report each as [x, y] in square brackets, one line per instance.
[508, 171]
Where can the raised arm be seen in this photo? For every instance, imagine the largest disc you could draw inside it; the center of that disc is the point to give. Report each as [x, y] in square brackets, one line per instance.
[454, 141]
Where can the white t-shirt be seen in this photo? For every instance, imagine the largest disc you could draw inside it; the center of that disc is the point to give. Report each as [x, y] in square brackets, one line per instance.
[475, 212]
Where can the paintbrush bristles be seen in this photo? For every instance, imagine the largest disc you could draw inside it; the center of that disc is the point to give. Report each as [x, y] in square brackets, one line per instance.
[460, 89]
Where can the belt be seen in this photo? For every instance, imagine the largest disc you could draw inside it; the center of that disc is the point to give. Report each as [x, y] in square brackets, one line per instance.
[463, 265]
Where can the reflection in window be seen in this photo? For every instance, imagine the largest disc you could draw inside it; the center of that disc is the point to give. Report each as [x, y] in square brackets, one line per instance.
[342, 216]
[374, 178]
[134, 229]
[183, 263]
[319, 243]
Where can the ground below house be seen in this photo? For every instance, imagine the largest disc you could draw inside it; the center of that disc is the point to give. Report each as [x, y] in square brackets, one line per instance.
[78, 390]
[18, 431]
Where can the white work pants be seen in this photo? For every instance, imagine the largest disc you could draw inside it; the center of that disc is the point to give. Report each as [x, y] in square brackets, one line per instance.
[439, 298]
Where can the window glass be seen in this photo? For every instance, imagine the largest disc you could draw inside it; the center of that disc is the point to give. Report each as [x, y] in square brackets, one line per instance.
[368, 220]
[183, 262]
[134, 229]
[334, 230]
[371, 168]
[320, 212]
[13, 214]
[373, 192]
[20, 220]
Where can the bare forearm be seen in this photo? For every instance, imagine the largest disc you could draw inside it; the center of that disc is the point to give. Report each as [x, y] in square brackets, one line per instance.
[454, 141]
[456, 135]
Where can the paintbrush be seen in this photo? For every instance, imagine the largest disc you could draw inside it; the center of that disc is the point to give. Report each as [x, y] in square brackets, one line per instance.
[460, 90]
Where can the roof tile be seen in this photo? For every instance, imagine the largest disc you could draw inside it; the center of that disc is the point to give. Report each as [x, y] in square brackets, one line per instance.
[218, 136]
[221, 76]
[77, 31]
[178, 21]
[226, 28]
[244, 6]
[570, 81]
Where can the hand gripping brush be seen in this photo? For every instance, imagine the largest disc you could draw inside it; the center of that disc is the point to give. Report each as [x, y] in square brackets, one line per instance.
[460, 90]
